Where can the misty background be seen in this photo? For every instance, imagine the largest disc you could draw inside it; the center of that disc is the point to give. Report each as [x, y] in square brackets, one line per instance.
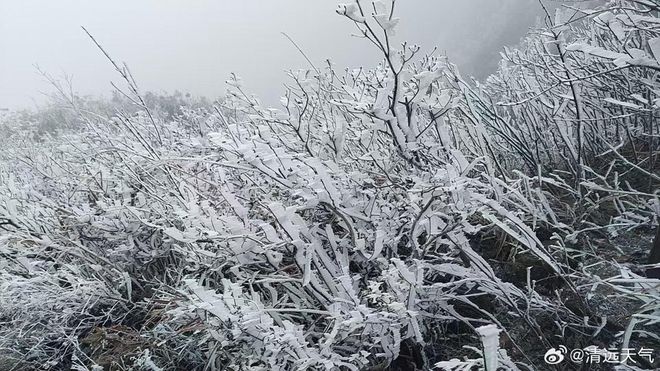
[193, 46]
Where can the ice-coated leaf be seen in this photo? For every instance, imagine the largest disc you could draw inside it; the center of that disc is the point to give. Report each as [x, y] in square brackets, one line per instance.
[620, 103]
[490, 339]
[654, 44]
[178, 235]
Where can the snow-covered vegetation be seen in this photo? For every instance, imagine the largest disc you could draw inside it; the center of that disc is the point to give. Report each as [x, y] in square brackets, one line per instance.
[397, 217]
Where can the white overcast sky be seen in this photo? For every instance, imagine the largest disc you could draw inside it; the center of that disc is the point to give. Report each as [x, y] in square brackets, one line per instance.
[193, 45]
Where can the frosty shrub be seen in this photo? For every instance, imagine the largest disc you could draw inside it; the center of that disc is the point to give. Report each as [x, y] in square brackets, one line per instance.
[578, 102]
[382, 218]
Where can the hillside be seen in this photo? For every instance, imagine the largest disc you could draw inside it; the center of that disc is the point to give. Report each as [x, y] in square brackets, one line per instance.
[398, 217]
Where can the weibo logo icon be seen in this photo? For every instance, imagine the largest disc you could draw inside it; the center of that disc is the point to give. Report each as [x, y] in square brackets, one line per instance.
[555, 356]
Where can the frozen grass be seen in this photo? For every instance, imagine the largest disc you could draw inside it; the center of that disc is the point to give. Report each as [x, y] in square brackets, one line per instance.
[389, 218]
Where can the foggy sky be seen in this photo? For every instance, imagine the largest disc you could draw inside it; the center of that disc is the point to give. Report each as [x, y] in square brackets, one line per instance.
[192, 46]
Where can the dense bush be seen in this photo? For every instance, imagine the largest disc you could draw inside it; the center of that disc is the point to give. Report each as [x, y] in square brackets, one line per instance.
[389, 218]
